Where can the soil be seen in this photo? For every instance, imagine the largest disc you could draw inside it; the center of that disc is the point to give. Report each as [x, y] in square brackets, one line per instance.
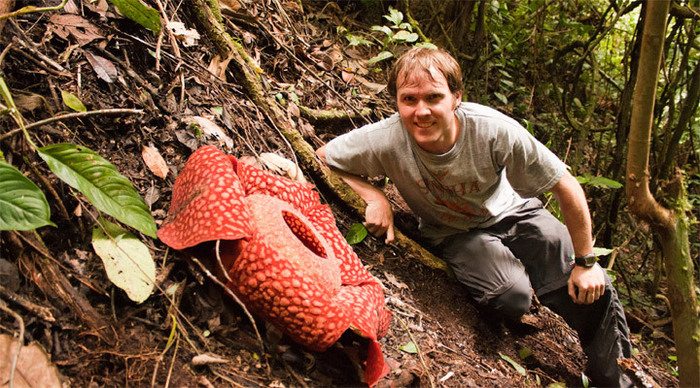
[304, 63]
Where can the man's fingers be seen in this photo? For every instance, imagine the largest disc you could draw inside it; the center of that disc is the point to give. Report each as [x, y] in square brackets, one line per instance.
[572, 290]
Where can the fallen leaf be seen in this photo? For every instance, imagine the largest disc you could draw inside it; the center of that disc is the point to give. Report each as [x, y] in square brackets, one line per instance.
[349, 78]
[395, 282]
[187, 138]
[206, 359]
[409, 347]
[154, 161]
[66, 25]
[233, 5]
[29, 102]
[282, 166]
[104, 68]
[218, 66]
[128, 262]
[188, 37]
[34, 369]
[372, 86]
[209, 128]
[72, 101]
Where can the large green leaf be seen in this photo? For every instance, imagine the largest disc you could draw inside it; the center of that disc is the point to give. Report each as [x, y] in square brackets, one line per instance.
[142, 14]
[22, 204]
[95, 177]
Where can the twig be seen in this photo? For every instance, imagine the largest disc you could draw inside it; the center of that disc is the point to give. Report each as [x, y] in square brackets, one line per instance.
[4, 53]
[43, 57]
[233, 383]
[172, 362]
[420, 354]
[220, 263]
[235, 298]
[106, 112]
[32, 9]
[176, 50]
[40, 311]
[20, 323]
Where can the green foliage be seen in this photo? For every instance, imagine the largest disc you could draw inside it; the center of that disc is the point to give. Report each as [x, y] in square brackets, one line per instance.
[22, 204]
[585, 381]
[396, 32]
[356, 234]
[101, 183]
[518, 368]
[598, 181]
[409, 347]
[140, 13]
[673, 364]
[24, 207]
[72, 101]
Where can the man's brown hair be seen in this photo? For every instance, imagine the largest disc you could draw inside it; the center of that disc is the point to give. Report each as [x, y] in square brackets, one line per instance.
[422, 59]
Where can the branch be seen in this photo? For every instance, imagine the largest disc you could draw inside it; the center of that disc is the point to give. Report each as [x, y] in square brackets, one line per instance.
[105, 112]
[32, 9]
[641, 201]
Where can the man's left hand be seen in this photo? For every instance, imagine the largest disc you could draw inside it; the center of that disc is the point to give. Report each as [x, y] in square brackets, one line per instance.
[588, 282]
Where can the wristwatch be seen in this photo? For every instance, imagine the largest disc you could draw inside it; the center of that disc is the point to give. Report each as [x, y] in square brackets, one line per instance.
[586, 261]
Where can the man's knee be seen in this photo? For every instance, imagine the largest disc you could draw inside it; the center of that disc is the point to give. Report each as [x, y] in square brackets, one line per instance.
[515, 301]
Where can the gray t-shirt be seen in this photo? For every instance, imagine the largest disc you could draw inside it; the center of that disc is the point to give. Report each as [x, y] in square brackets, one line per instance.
[494, 164]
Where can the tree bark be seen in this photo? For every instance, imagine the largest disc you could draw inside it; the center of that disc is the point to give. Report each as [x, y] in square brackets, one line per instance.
[670, 224]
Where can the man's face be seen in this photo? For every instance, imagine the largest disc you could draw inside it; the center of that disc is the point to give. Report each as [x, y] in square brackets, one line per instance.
[426, 107]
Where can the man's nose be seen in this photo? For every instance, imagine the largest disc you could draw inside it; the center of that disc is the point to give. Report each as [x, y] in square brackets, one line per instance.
[422, 109]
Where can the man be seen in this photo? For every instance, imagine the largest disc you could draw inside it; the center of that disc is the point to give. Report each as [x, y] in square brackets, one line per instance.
[471, 175]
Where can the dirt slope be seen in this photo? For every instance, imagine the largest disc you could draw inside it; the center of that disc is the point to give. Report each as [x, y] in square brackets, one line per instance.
[109, 62]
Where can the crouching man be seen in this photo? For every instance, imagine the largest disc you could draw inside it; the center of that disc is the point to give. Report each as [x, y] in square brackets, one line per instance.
[471, 175]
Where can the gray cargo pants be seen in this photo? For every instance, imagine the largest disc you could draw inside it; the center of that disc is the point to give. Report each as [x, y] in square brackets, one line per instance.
[531, 249]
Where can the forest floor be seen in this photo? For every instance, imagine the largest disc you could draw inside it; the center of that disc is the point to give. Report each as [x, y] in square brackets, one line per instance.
[109, 62]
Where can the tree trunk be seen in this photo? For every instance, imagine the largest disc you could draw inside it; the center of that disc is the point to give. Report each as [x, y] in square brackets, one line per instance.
[670, 224]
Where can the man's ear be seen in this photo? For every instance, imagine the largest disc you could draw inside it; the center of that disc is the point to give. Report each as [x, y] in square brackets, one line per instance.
[458, 99]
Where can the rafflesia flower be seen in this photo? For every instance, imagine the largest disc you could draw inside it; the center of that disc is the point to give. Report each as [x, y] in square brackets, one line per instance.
[285, 257]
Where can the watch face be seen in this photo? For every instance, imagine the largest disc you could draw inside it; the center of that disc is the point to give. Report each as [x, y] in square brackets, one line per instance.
[586, 261]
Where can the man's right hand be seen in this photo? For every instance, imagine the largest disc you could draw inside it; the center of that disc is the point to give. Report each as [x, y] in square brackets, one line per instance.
[379, 219]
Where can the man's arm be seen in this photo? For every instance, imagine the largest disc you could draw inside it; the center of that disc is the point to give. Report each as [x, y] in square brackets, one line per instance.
[590, 282]
[379, 217]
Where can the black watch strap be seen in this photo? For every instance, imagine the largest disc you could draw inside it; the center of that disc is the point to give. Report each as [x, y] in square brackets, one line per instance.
[586, 261]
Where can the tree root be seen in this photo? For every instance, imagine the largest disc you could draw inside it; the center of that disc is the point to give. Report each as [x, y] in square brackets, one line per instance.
[331, 117]
[249, 73]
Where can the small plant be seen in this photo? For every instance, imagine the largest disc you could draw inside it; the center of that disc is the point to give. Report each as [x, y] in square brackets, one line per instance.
[396, 32]
[673, 364]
